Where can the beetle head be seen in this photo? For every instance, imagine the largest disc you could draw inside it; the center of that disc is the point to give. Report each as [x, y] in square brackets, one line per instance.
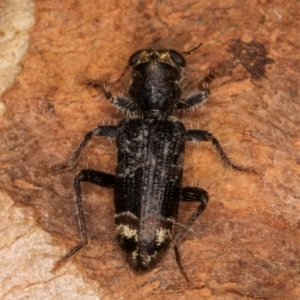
[156, 74]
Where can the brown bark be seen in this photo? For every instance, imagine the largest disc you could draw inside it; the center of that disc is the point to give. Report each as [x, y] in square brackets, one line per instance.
[246, 244]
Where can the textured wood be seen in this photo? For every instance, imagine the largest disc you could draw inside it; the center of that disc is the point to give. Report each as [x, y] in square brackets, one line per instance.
[246, 245]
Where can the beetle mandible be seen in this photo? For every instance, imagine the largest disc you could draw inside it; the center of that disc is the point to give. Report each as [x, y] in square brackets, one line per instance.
[150, 152]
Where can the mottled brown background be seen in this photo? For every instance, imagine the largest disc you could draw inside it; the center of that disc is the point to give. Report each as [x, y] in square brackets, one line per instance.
[246, 244]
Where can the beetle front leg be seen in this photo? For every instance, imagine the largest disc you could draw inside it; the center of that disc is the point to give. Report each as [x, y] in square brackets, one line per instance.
[192, 100]
[120, 102]
[96, 177]
[109, 131]
[202, 135]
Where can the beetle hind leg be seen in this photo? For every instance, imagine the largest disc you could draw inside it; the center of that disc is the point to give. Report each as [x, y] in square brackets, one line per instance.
[96, 177]
[192, 194]
[189, 194]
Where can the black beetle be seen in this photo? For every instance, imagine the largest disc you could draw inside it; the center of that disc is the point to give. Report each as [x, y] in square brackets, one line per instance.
[150, 145]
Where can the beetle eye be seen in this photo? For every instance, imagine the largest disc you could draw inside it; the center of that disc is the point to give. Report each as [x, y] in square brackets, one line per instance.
[134, 57]
[177, 58]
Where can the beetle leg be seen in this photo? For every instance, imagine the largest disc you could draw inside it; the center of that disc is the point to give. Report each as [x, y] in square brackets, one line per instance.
[109, 131]
[202, 135]
[95, 177]
[120, 102]
[180, 265]
[192, 194]
[189, 194]
[192, 100]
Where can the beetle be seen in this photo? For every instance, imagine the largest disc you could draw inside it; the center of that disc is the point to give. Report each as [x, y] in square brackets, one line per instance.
[150, 152]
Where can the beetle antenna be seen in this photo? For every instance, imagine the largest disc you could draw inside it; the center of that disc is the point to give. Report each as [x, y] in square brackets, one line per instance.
[192, 50]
